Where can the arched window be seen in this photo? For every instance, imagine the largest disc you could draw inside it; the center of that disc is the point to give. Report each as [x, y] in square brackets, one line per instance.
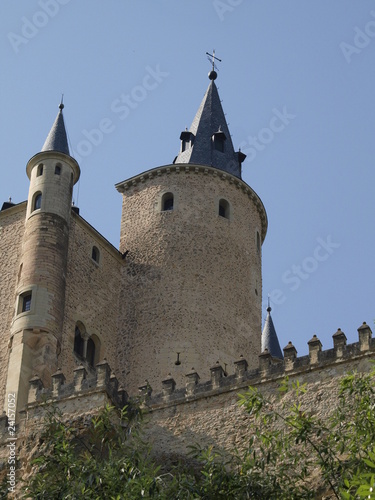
[95, 254]
[223, 208]
[39, 171]
[167, 202]
[79, 343]
[37, 203]
[57, 169]
[86, 346]
[90, 353]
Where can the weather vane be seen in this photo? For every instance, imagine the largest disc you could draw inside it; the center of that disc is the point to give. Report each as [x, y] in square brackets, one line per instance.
[212, 75]
[212, 60]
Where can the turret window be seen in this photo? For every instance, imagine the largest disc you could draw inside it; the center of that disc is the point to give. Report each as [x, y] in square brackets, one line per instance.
[24, 302]
[37, 202]
[57, 170]
[39, 171]
[224, 208]
[167, 202]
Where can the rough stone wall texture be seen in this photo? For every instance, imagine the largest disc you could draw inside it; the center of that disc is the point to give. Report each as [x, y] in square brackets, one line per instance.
[44, 254]
[92, 295]
[193, 278]
[218, 420]
[12, 227]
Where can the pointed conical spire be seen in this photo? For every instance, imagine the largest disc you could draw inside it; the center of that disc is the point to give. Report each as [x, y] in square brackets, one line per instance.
[208, 141]
[57, 139]
[269, 337]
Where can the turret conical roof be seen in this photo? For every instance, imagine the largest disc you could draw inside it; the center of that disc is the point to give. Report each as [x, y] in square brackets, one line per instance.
[208, 141]
[269, 337]
[57, 139]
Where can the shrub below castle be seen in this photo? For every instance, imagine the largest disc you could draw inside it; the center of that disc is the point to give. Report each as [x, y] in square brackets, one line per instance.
[291, 455]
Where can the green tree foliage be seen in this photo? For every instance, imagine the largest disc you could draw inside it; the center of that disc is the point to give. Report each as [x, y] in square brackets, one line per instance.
[291, 454]
[302, 453]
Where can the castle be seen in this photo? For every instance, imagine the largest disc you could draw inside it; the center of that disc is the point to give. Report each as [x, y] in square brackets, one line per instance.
[83, 322]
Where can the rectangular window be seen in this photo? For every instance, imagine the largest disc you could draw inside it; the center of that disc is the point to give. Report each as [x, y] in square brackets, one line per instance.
[26, 302]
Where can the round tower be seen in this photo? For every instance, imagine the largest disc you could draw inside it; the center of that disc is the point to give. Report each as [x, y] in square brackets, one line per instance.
[40, 293]
[193, 231]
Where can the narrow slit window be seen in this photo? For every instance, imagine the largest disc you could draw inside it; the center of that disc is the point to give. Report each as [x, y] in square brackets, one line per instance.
[167, 202]
[95, 254]
[39, 172]
[57, 170]
[258, 242]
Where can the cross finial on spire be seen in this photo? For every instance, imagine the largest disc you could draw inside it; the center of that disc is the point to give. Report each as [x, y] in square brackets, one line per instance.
[212, 75]
[269, 307]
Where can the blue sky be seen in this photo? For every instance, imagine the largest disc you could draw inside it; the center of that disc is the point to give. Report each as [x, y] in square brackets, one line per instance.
[310, 62]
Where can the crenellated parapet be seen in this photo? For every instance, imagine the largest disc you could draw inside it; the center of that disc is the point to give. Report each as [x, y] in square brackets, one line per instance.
[82, 385]
[269, 369]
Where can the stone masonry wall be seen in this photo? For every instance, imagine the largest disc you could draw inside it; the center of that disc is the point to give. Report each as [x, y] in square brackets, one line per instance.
[205, 413]
[212, 416]
[12, 227]
[92, 294]
[193, 278]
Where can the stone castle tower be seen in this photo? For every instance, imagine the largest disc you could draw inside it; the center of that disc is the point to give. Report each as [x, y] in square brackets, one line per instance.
[183, 291]
[37, 325]
[173, 316]
[193, 231]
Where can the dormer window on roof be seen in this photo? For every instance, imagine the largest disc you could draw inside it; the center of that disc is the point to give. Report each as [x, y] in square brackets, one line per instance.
[208, 140]
[187, 140]
[219, 139]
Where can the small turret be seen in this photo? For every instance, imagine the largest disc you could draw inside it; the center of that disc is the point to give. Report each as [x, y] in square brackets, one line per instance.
[40, 292]
[269, 337]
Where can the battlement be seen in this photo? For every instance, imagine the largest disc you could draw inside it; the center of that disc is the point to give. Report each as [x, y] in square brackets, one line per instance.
[90, 393]
[103, 381]
[269, 369]
[84, 395]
